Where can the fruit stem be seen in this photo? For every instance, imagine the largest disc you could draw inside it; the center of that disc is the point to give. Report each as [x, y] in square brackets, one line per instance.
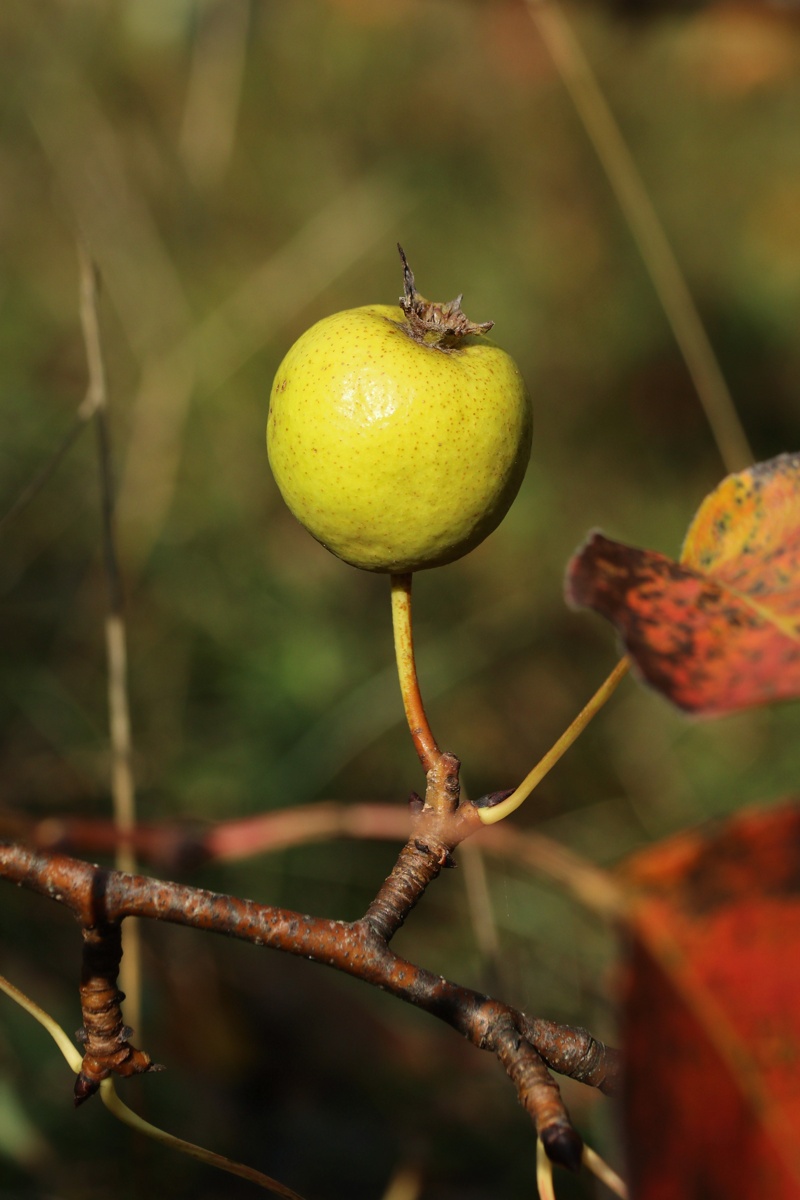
[424, 741]
[490, 815]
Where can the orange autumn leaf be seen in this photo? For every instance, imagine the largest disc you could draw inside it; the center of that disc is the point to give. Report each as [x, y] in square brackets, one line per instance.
[711, 1013]
[720, 629]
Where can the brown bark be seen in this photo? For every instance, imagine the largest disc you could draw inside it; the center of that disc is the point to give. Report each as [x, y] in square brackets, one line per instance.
[100, 899]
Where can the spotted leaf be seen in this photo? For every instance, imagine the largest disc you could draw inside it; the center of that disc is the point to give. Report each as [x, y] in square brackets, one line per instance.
[720, 629]
[710, 1017]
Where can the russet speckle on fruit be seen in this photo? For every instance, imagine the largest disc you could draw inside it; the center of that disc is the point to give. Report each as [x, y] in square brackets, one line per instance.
[398, 448]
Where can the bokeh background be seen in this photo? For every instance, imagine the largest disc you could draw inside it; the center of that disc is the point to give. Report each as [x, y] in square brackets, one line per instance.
[240, 169]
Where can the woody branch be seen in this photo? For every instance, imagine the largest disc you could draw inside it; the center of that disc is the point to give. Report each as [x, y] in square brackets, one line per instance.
[527, 1047]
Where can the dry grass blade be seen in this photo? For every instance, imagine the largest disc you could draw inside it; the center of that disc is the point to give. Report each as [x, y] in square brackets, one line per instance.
[123, 791]
[115, 1106]
[88, 160]
[602, 1171]
[405, 1184]
[544, 1173]
[590, 885]
[481, 908]
[95, 395]
[219, 53]
[71, 1052]
[647, 230]
[95, 184]
[46, 471]
[120, 1110]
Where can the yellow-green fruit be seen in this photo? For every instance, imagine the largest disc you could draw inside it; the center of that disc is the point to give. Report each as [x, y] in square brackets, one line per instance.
[395, 453]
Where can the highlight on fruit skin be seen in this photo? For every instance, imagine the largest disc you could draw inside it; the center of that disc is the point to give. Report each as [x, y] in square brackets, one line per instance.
[399, 435]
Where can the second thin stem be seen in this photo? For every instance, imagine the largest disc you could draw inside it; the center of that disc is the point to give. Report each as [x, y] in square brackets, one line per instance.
[490, 816]
[424, 741]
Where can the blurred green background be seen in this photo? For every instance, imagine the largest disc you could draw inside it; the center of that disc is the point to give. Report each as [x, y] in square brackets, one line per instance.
[239, 170]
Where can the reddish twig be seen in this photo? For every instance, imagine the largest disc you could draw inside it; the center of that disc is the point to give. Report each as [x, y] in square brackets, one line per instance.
[179, 845]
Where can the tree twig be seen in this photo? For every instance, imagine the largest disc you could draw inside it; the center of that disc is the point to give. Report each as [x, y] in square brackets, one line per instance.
[424, 855]
[100, 897]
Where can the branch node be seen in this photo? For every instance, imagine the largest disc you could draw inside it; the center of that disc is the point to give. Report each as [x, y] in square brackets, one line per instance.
[443, 791]
[415, 804]
[104, 1035]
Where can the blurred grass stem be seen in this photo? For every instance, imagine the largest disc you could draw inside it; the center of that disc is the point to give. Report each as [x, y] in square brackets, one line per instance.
[123, 793]
[71, 1052]
[491, 816]
[647, 230]
[42, 476]
[481, 910]
[602, 1171]
[544, 1173]
[424, 741]
[121, 1111]
[405, 1184]
[214, 91]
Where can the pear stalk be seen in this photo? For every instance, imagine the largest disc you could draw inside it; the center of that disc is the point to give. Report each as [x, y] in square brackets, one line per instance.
[424, 741]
